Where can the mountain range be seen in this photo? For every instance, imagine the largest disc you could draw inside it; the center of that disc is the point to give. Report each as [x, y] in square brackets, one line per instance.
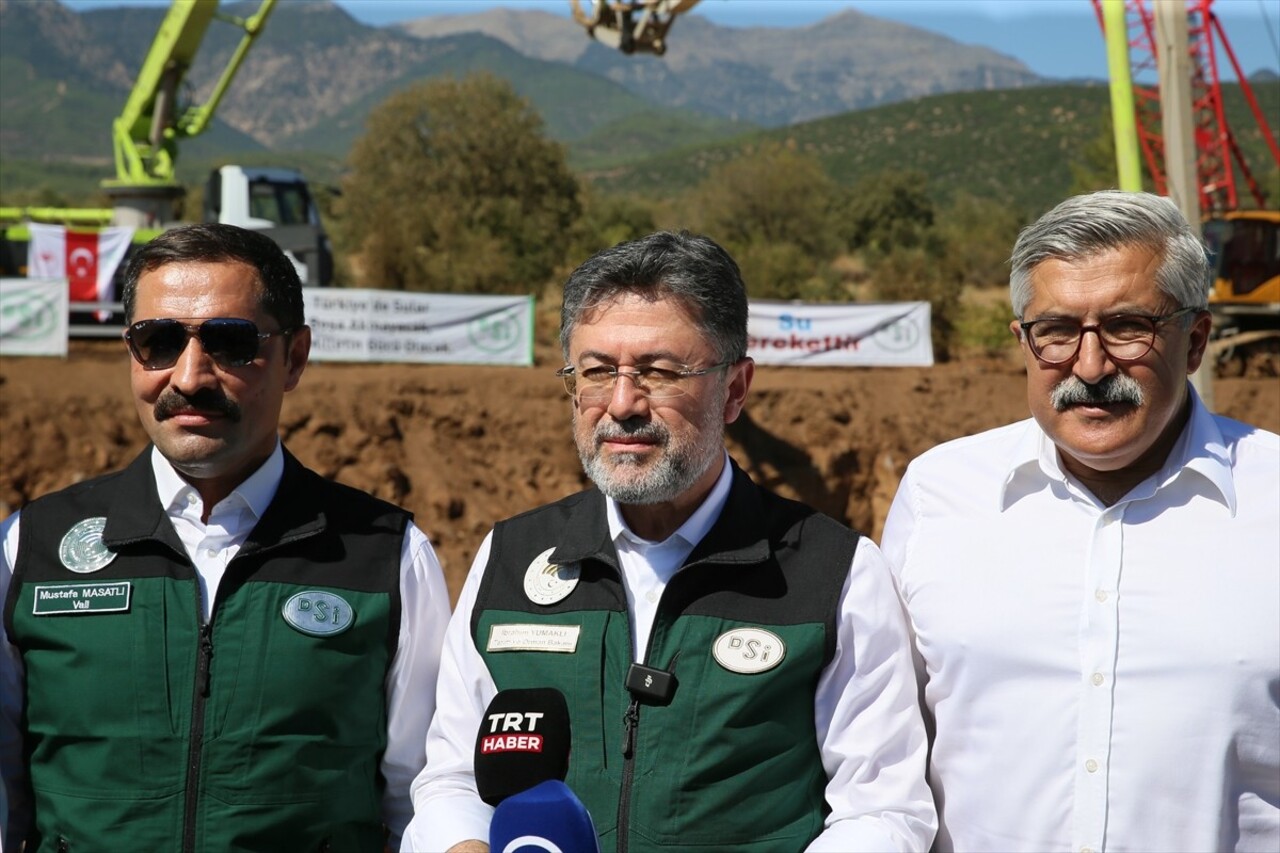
[315, 72]
[860, 93]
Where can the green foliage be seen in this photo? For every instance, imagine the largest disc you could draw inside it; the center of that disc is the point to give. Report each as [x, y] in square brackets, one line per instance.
[453, 188]
[887, 211]
[609, 220]
[985, 327]
[641, 135]
[909, 274]
[1014, 146]
[774, 210]
[977, 236]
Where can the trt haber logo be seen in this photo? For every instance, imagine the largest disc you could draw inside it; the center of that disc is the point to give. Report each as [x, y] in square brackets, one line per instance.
[512, 732]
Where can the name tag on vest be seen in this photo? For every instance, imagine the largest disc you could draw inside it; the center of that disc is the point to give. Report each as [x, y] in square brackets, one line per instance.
[57, 599]
[533, 638]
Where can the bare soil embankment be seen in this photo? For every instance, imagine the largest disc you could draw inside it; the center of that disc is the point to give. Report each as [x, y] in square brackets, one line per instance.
[464, 446]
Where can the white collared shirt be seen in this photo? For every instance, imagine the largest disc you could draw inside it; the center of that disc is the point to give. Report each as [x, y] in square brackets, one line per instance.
[211, 546]
[1100, 678]
[869, 732]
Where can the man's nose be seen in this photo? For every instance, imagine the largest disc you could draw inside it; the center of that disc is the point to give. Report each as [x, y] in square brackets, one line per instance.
[1092, 361]
[194, 368]
[627, 400]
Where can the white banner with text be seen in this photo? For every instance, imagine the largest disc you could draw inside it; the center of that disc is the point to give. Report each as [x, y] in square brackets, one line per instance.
[392, 325]
[878, 334]
[33, 316]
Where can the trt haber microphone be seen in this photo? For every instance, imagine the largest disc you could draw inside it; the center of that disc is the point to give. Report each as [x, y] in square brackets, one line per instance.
[523, 740]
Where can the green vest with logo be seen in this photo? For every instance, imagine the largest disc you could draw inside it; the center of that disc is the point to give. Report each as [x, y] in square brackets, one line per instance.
[264, 730]
[747, 625]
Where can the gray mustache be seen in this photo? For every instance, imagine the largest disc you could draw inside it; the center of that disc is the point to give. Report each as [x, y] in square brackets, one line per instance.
[631, 429]
[1117, 388]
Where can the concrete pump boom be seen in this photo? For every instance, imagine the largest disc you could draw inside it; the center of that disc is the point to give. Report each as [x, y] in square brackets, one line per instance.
[146, 134]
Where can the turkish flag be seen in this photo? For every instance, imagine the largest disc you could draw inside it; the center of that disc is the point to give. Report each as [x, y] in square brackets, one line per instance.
[86, 259]
[82, 265]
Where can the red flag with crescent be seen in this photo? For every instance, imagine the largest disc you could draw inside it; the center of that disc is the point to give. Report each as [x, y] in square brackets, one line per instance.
[86, 259]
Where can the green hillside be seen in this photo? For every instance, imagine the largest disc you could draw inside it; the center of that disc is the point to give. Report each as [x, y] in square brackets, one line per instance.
[1015, 146]
[572, 104]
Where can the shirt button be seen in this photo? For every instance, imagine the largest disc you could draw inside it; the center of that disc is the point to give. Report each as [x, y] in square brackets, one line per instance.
[191, 499]
[651, 596]
[1101, 595]
[1091, 766]
[1086, 850]
[211, 552]
[1097, 679]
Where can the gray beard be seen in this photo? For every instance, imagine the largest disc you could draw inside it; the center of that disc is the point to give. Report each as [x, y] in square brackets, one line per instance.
[672, 475]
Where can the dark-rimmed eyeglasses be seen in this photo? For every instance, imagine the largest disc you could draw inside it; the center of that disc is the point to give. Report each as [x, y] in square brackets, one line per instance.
[1124, 337]
[657, 382]
[229, 341]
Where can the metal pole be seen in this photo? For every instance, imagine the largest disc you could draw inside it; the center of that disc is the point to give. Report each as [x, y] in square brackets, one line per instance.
[1173, 62]
[1123, 120]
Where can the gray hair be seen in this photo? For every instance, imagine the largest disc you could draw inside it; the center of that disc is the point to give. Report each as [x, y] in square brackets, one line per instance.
[1087, 225]
[688, 267]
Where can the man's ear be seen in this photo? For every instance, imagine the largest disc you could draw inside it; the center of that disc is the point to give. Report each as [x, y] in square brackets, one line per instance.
[1198, 340]
[296, 354]
[740, 376]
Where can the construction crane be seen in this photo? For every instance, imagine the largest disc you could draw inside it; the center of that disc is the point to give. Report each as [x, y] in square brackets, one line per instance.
[146, 138]
[630, 25]
[1241, 226]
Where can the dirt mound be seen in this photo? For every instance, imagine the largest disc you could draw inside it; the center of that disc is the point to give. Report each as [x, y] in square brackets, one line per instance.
[465, 446]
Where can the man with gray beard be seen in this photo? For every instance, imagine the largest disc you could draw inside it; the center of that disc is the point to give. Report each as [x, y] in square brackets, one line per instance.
[1094, 593]
[736, 666]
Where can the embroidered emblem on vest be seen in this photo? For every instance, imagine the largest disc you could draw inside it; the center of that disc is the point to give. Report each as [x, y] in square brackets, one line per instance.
[82, 550]
[546, 583]
[749, 650]
[320, 614]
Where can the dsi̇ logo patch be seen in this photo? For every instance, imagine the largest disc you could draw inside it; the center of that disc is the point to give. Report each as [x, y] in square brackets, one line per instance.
[317, 613]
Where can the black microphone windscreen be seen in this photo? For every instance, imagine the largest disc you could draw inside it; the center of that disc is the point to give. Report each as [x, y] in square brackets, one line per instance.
[523, 740]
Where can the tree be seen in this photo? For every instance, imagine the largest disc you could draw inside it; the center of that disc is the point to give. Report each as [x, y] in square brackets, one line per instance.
[977, 236]
[773, 209]
[887, 211]
[453, 188]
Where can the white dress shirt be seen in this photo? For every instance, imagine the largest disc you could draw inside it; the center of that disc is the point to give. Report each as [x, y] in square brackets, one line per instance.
[211, 546]
[1100, 678]
[869, 732]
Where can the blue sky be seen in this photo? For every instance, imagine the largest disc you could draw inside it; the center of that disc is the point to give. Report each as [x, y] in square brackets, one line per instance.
[1055, 38]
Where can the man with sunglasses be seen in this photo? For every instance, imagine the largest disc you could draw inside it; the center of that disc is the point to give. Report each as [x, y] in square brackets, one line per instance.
[1094, 592]
[736, 666]
[215, 648]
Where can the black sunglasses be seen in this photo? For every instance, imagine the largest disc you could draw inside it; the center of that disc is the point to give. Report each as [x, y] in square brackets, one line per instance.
[229, 341]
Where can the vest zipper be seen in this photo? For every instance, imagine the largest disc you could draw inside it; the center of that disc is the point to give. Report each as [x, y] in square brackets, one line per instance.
[630, 722]
[196, 744]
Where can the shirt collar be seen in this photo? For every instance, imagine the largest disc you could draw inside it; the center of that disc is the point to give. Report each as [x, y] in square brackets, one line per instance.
[256, 492]
[1200, 450]
[695, 527]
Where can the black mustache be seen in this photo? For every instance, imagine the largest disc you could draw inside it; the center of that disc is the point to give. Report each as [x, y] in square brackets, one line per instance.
[204, 400]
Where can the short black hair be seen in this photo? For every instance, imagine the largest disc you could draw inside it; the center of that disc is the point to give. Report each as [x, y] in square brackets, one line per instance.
[215, 242]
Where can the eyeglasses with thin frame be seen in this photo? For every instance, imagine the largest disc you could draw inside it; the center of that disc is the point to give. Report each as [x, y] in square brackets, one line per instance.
[1124, 337]
[229, 341]
[657, 382]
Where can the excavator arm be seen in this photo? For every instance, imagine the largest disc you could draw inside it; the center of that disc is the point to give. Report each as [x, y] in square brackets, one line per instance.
[146, 134]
